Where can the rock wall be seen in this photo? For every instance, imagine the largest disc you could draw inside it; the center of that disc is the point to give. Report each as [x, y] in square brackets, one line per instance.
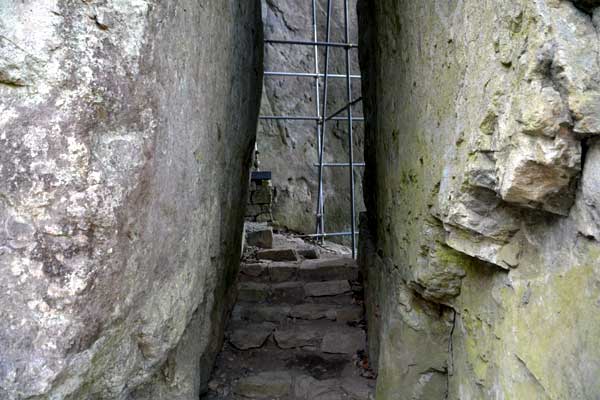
[123, 180]
[260, 201]
[481, 241]
[289, 148]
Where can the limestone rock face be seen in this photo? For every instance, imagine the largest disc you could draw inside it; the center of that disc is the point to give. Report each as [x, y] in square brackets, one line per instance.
[482, 195]
[289, 148]
[122, 173]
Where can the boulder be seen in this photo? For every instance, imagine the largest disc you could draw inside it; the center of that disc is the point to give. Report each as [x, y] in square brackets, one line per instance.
[277, 255]
[122, 175]
[260, 238]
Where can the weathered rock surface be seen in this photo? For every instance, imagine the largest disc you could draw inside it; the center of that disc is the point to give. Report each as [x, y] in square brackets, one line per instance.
[265, 385]
[277, 255]
[328, 288]
[251, 336]
[259, 236]
[122, 176]
[480, 247]
[289, 149]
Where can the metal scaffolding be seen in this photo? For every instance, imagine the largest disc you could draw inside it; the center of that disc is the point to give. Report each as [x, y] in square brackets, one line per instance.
[321, 117]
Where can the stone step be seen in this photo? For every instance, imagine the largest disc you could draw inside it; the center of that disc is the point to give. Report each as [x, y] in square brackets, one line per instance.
[326, 269]
[322, 336]
[265, 385]
[253, 312]
[326, 288]
[237, 362]
[250, 336]
[279, 254]
[317, 335]
[309, 271]
[309, 252]
[308, 365]
[333, 312]
[285, 385]
[297, 292]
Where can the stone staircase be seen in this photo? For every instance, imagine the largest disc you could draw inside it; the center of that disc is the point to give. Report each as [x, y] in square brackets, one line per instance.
[296, 332]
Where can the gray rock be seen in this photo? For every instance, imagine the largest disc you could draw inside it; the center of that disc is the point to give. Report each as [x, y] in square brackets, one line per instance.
[251, 336]
[308, 388]
[288, 292]
[253, 291]
[327, 288]
[262, 238]
[349, 313]
[265, 385]
[277, 255]
[357, 389]
[587, 210]
[309, 252]
[298, 335]
[122, 175]
[252, 312]
[490, 145]
[281, 272]
[340, 299]
[262, 195]
[538, 173]
[310, 311]
[344, 341]
[328, 269]
[254, 270]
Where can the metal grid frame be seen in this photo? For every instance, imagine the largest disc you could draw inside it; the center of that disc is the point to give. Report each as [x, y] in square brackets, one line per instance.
[321, 116]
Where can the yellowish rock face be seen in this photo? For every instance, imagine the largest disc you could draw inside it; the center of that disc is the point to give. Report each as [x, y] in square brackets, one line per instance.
[483, 143]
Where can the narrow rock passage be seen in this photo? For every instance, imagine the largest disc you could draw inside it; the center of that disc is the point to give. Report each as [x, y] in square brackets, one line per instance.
[297, 330]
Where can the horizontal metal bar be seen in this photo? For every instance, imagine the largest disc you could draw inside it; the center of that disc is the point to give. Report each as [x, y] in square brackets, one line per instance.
[305, 118]
[312, 43]
[290, 117]
[308, 75]
[341, 110]
[359, 164]
[328, 234]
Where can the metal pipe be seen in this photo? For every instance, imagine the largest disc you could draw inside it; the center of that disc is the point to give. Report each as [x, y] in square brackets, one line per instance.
[327, 234]
[321, 200]
[341, 110]
[307, 74]
[350, 136]
[317, 103]
[362, 164]
[306, 118]
[326, 43]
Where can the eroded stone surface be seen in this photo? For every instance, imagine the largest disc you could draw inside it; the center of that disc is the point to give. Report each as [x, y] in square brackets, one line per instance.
[122, 170]
[343, 341]
[260, 238]
[278, 254]
[265, 385]
[481, 239]
[251, 336]
[328, 269]
[327, 288]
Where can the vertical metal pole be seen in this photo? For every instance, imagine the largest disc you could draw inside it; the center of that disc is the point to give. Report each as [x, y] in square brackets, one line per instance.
[350, 136]
[317, 106]
[321, 208]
